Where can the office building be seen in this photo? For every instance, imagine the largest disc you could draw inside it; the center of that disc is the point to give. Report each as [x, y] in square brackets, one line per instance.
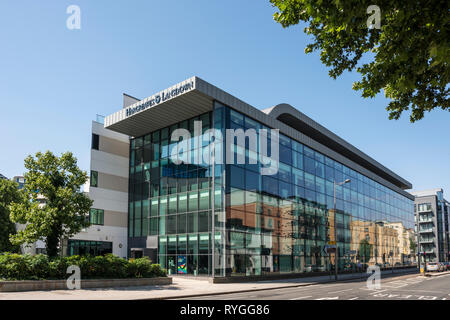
[20, 180]
[108, 188]
[206, 216]
[431, 225]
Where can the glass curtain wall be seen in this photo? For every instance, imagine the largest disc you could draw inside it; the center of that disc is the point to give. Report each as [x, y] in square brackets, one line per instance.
[281, 223]
[175, 201]
[262, 223]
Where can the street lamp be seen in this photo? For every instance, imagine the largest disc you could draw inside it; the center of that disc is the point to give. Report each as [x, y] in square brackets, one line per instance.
[335, 224]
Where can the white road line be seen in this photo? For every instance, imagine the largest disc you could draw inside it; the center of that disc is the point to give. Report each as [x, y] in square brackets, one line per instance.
[414, 290]
[393, 286]
[353, 298]
[377, 291]
[299, 298]
[340, 291]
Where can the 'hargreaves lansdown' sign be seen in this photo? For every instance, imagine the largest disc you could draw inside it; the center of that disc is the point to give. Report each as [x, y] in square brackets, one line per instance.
[160, 97]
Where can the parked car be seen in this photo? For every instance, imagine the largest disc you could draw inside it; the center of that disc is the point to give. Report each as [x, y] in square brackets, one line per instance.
[447, 266]
[315, 268]
[435, 266]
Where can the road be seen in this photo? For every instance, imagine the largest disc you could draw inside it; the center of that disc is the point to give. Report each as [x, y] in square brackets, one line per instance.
[405, 287]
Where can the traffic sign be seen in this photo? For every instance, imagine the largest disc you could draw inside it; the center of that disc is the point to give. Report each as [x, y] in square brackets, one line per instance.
[329, 248]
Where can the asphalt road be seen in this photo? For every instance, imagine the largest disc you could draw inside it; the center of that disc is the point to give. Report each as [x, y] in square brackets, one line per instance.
[405, 287]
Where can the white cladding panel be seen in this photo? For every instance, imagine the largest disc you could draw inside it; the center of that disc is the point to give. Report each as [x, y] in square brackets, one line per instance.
[109, 163]
[109, 199]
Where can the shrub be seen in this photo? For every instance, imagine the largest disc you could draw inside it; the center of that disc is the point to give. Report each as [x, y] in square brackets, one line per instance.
[117, 267]
[58, 268]
[39, 266]
[157, 271]
[140, 268]
[14, 267]
[27, 267]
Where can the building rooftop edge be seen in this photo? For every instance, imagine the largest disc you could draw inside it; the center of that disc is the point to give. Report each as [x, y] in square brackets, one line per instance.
[212, 92]
[426, 192]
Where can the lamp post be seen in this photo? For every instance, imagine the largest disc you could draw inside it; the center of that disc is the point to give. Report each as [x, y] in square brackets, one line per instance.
[336, 255]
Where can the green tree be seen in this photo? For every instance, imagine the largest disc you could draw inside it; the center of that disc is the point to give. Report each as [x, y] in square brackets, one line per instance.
[412, 244]
[58, 181]
[9, 193]
[408, 57]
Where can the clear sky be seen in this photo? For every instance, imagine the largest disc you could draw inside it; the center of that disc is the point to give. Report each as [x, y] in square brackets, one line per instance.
[53, 81]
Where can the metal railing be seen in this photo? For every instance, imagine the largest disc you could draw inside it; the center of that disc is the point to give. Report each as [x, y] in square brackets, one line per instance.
[426, 230]
[99, 118]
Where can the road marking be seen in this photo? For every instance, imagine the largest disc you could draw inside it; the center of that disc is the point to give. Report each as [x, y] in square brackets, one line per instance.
[377, 291]
[340, 291]
[328, 298]
[414, 290]
[353, 298]
[299, 298]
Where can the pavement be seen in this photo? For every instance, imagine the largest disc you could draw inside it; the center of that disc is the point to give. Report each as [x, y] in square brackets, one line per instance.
[190, 288]
[405, 287]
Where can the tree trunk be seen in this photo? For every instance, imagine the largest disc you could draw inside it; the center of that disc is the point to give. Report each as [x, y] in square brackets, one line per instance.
[52, 242]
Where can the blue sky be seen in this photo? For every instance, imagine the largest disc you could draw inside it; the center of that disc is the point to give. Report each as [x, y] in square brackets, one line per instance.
[54, 80]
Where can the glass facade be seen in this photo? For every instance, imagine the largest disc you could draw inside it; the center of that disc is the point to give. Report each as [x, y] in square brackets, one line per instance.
[262, 223]
[84, 247]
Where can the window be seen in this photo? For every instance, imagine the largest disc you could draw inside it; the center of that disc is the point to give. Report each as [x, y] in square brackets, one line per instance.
[252, 181]
[94, 178]
[204, 200]
[95, 141]
[310, 165]
[423, 207]
[94, 248]
[237, 118]
[285, 154]
[297, 177]
[237, 176]
[96, 216]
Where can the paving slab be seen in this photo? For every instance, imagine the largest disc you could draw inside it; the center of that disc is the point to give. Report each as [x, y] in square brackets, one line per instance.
[181, 287]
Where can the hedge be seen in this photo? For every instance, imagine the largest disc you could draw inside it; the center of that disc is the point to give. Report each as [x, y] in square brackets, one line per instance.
[39, 267]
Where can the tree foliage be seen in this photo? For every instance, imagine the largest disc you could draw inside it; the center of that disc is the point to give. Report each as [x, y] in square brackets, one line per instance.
[9, 193]
[412, 244]
[365, 250]
[57, 181]
[408, 56]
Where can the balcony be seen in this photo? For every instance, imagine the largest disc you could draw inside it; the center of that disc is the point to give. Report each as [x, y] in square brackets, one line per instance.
[426, 230]
[426, 240]
[430, 220]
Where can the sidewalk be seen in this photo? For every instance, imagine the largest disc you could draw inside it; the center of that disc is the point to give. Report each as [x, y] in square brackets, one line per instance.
[181, 288]
[436, 274]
